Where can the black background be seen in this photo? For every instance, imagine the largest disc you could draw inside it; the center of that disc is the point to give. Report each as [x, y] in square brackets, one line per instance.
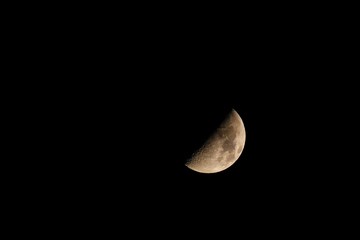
[129, 101]
[127, 140]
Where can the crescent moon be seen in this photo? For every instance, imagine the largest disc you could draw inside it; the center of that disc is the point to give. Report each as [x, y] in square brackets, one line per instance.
[222, 149]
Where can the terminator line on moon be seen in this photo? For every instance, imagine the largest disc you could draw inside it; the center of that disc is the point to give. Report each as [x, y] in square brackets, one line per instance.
[222, 149]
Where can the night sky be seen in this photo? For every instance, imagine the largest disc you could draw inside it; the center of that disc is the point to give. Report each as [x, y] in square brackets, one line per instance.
[136, 140]
[137, 111]
[137, 144]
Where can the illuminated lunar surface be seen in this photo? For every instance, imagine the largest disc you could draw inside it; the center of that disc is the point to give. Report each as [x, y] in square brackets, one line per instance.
[222, 149]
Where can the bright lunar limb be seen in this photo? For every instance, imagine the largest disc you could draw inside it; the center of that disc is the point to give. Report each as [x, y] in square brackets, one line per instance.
[222, 149]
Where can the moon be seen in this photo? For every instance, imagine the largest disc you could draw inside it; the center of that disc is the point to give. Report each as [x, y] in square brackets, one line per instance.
[222, 149]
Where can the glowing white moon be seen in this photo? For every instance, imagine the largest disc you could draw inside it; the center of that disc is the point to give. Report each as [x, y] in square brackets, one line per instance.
[223, 147]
